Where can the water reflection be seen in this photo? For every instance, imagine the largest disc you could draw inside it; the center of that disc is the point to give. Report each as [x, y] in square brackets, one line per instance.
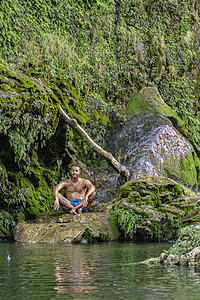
[74, 272]
[96, 271]
[110, 271]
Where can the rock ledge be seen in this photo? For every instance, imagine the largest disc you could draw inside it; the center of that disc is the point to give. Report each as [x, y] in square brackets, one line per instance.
[64, 228]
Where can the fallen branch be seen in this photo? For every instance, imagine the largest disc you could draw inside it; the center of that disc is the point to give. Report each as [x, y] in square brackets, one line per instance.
[86, 138]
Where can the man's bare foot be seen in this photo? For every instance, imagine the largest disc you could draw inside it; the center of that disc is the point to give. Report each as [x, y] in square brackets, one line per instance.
[79, 211]
[73, 211]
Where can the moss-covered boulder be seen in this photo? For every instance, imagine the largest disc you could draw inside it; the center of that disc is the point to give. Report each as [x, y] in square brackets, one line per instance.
[154, 208]
[150, 145]
[149, 100]
[189, 238]
[64, 228]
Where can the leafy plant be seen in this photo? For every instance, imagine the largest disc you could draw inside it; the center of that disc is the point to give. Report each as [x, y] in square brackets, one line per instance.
[127, 221]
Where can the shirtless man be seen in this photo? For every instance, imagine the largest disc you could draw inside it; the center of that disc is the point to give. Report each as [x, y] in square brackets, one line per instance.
[79, 193]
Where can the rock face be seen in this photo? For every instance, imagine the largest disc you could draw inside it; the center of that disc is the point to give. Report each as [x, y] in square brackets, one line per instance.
[64, 228]
[150, 145]
[29, 117]
[35, 153]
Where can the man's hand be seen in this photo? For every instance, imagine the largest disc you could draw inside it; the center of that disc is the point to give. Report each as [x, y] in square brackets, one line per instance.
[56, 205]
[85, 201]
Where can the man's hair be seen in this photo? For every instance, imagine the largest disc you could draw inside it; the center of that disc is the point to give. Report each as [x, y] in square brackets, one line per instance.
[75, 165]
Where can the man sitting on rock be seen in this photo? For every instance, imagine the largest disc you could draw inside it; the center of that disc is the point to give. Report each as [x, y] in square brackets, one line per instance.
[79, 192]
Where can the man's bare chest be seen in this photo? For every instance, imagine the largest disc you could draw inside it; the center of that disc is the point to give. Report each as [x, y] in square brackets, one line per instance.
[75, 188]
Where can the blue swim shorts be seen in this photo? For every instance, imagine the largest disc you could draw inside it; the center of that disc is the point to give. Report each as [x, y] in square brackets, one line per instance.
[75, 202]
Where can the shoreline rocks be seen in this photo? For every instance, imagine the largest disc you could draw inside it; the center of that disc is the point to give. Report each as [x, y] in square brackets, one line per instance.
[185, 251]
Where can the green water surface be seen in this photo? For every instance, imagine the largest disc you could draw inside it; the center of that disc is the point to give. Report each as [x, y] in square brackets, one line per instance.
[98, 271]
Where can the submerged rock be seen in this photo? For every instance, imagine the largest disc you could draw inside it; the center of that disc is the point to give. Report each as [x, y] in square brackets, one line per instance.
[65, 228]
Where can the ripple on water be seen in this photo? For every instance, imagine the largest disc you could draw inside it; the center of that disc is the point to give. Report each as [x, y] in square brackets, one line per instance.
[107, 270]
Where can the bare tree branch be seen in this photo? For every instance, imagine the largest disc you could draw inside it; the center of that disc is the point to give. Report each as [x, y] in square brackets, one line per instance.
[86, 138]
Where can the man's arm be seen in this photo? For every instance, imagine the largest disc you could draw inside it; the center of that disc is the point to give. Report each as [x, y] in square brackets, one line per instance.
[56, 189]
[91, 189]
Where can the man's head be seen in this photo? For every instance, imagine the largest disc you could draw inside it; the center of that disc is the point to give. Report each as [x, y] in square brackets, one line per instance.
[75, 171]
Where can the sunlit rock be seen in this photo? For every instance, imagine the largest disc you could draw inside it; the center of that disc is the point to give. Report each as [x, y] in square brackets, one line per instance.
[194, 256]
[173, 260]
[64, 228]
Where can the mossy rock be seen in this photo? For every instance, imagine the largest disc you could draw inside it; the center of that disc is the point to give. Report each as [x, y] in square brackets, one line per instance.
[149, 100]
[154, 208]
[65, 228]
[33, 153]
[149, 145]
[186, 250]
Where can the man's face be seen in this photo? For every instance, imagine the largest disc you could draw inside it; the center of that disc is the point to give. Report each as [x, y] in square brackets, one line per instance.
[75, 172]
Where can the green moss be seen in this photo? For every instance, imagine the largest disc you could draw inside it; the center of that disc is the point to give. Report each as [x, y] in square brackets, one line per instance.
[186, 171]
[133, 197]
[188, 164]
[87, 235]
[20, 217]
[163, 231]
[39, 198]
[7, 221]
[113, 223]
[154, 200]
[77, 113]
[137, 104]
[150, 101]
[26, 83]
[3, 62]
[153, 203]
[139, 190]
[33, 211]
[177, 213]
[104, 237]
[29, 119]
[103, 119]
[189, 238]
[4, 87]
[125, 190]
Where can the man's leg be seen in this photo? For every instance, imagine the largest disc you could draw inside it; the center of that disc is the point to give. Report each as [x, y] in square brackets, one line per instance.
[66, 204]
[80, 207]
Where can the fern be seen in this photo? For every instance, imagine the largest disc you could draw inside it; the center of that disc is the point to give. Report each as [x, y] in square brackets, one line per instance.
[127, 221]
